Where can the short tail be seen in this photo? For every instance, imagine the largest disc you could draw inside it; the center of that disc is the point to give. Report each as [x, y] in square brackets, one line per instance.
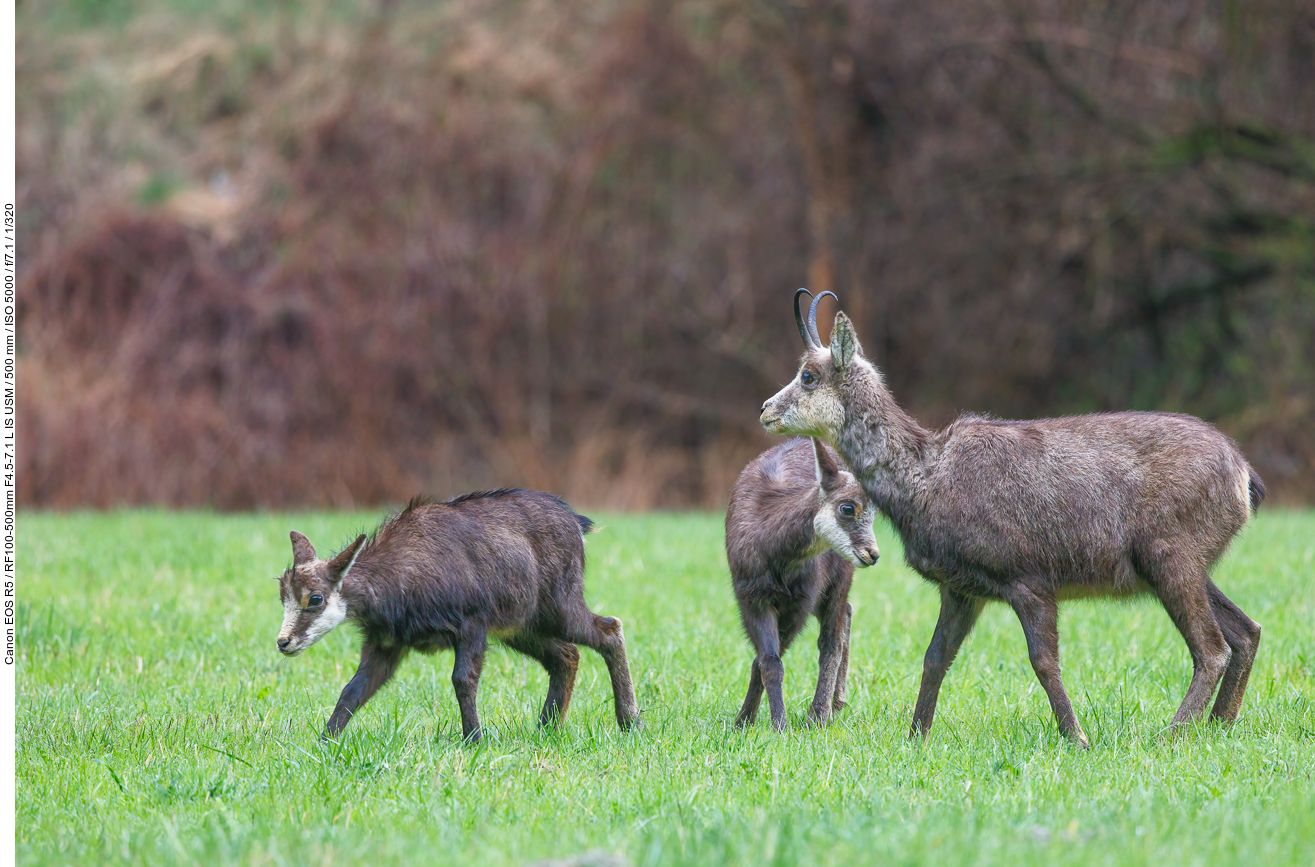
[587, 526]
[1257, 490]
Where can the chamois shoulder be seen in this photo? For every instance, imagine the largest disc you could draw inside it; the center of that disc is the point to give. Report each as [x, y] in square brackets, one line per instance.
[784, 469]
[521, 507]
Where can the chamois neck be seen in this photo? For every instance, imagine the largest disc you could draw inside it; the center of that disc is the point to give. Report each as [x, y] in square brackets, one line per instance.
[883, 445]
[355, 594]
[359, 589]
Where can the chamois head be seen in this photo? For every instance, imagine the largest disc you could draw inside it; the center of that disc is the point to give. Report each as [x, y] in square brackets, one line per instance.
[312, 595]
[844, 522]
[813, 403]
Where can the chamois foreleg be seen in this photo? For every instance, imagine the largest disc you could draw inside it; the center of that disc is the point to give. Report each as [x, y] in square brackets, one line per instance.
[377, 667]
[561, 660]
[470, 648]
[958, 614]
[842, 671]
[1039, 615]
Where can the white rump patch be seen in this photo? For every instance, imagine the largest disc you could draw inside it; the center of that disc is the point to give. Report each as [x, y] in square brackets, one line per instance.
[1244, 490]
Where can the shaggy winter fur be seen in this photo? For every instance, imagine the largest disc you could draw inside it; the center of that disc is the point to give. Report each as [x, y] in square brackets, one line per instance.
[796, 527]
[505, 563]
[1030, 513]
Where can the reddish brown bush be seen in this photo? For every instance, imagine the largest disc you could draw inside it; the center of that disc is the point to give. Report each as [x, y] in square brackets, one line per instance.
[329, 261]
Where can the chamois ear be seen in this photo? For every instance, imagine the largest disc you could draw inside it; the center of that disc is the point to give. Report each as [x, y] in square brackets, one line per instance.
[828, 473]
[340, 565]
[844, 343]
[302, 550]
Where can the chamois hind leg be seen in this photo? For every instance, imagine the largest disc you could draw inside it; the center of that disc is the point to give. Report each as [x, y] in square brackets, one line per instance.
[785, 633]
[560, 659]
[790, 622]
[958, 614]
[842, 672]
[831, 642]
[1182, 591]
[1243, 637]
[604, 634]
[1040, 618]
[763, 630]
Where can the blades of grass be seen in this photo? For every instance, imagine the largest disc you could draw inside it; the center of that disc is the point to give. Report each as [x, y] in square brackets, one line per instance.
[224, 753]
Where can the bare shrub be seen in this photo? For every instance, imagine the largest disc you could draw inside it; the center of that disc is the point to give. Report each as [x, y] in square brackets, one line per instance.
[444, 248]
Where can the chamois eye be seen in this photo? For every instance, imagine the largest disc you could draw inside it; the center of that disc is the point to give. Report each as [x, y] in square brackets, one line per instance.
[807, 378]
[847, 509]
[316, 600]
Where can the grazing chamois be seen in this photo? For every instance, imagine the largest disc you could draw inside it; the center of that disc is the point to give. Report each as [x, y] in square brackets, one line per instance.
[796, 527]
[506, 563]
[1033, 512]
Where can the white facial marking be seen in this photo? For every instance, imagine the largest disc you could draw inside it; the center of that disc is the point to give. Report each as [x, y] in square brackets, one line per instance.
[1244, 490]
[815, 411]
[335, 612]
[830, 534]
[291, 610]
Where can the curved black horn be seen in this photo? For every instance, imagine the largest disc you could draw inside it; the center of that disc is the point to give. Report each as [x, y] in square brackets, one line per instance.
[812, 315]
[809, 340]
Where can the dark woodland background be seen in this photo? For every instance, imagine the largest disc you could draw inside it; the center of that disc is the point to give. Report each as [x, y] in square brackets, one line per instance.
[281, 254]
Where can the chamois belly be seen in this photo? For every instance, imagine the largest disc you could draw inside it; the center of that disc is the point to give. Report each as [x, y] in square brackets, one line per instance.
[974, 567]
[1115, 590]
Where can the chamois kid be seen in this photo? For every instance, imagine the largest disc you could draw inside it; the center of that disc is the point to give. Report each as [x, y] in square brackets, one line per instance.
[1033, 512]
[796, 527]
[505, 563]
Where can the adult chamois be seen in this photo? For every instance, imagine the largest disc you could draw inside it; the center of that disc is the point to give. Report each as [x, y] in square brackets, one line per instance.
[796, 527]
[1033, 512]
[506, 563]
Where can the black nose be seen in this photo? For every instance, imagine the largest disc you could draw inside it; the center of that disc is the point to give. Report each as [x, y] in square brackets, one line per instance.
[284, 642]
[762, 409]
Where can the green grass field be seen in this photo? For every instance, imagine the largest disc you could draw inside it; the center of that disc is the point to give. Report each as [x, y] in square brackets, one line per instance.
[157, 723]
